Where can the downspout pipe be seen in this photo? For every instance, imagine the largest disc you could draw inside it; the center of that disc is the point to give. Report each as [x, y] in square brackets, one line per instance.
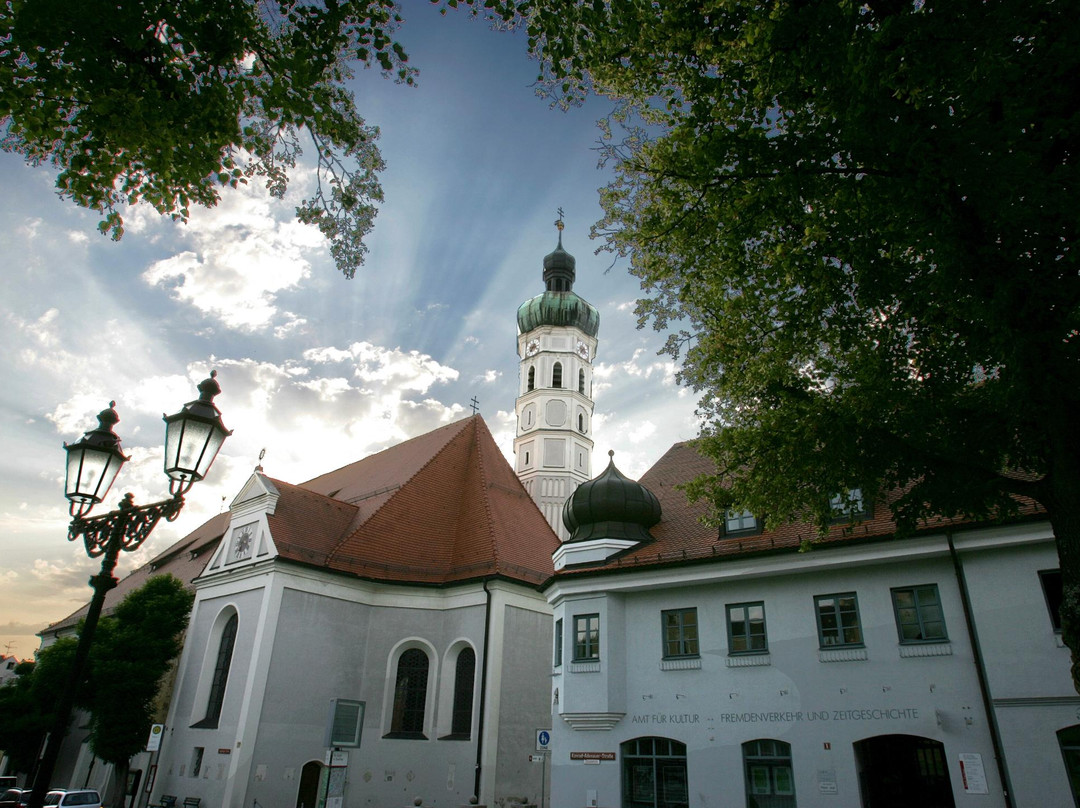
[980, 670]
[483, 691]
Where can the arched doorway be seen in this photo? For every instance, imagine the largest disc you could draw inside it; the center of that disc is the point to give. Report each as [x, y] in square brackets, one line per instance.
[309, 795]
[899, 771]
[654, 773]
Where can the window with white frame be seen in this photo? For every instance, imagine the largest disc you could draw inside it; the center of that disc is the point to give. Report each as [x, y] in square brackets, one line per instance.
[346, 722]
[737, 523]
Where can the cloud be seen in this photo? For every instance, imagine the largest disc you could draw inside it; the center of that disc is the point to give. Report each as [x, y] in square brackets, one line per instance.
[389, 367]
[240, 256]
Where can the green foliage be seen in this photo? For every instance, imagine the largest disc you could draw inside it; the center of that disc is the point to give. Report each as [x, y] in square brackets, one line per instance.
[859, 221]
[168, 101]
[27, 701]
[132, 652]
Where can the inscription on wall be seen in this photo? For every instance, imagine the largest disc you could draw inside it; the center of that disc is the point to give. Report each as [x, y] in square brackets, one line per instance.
[783, 716]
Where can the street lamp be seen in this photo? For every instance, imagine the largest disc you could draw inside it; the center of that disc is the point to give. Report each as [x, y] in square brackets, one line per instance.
[193, 437]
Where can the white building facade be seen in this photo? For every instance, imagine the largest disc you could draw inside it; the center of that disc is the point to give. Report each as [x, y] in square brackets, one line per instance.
[705, 669]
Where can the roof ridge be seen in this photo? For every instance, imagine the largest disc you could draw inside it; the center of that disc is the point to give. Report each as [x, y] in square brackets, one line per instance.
[485, 491]
[403, 486]
[426, 435]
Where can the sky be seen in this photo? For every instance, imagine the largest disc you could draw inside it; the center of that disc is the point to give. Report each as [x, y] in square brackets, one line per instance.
[317, 370]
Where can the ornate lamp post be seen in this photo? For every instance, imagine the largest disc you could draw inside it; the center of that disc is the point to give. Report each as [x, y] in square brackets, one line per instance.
[193, 437]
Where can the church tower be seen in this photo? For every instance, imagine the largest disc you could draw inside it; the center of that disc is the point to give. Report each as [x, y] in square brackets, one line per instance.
[557, 346]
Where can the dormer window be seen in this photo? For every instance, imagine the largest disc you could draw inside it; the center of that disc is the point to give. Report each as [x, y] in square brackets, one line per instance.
[740, 523]
[849, 507]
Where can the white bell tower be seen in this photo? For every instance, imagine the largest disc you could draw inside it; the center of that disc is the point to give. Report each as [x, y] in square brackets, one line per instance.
[557, 346]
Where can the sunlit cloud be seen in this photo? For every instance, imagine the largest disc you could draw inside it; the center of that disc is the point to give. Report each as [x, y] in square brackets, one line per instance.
[240, 256]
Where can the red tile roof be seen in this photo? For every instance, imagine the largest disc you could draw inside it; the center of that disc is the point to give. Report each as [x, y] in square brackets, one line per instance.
[441, 508]
[437, 509]
[682, 537]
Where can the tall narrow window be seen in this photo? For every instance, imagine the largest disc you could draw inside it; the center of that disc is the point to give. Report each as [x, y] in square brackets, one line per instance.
[586, 637]
[558, 643]
[746, 628]
[410, 695]
[532, 378]
[680, 633]
[919, 617]
[581, 382]
[1069, 741]
[1051, 584]
[769, 779]
[838, 620]
[221, 675]
[556, 375]
[464, 675]
[654, 773]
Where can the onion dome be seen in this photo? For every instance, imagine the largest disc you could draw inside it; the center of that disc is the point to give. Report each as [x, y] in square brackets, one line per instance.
[558, 308]
[559, 305]
[611, 506]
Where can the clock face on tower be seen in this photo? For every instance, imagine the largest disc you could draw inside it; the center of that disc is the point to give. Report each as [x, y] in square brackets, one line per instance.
[582, 349]
[532, 348]
[243, 541]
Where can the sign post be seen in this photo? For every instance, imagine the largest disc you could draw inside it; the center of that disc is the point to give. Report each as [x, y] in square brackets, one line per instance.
[543, 741]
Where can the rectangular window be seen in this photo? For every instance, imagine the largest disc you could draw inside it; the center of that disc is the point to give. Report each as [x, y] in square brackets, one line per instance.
[740, 522]
[586, 637]
[680, 628]
[558, 642]
[850, 507]
[345, 722]
[838, 620]
[1051, 584]
[919, 617]
[196, 760]
[746, 628]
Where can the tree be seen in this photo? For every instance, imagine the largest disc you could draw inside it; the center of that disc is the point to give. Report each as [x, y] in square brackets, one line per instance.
[859, 221]
[168, 101]
[132, 651]
[26, 702]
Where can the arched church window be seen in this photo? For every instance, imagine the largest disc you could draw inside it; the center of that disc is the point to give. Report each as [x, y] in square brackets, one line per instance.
[581, 382]
[464, 674]
[556, 375]
[581, 422]
[221, 674]
[410, 694]
[532, 378]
